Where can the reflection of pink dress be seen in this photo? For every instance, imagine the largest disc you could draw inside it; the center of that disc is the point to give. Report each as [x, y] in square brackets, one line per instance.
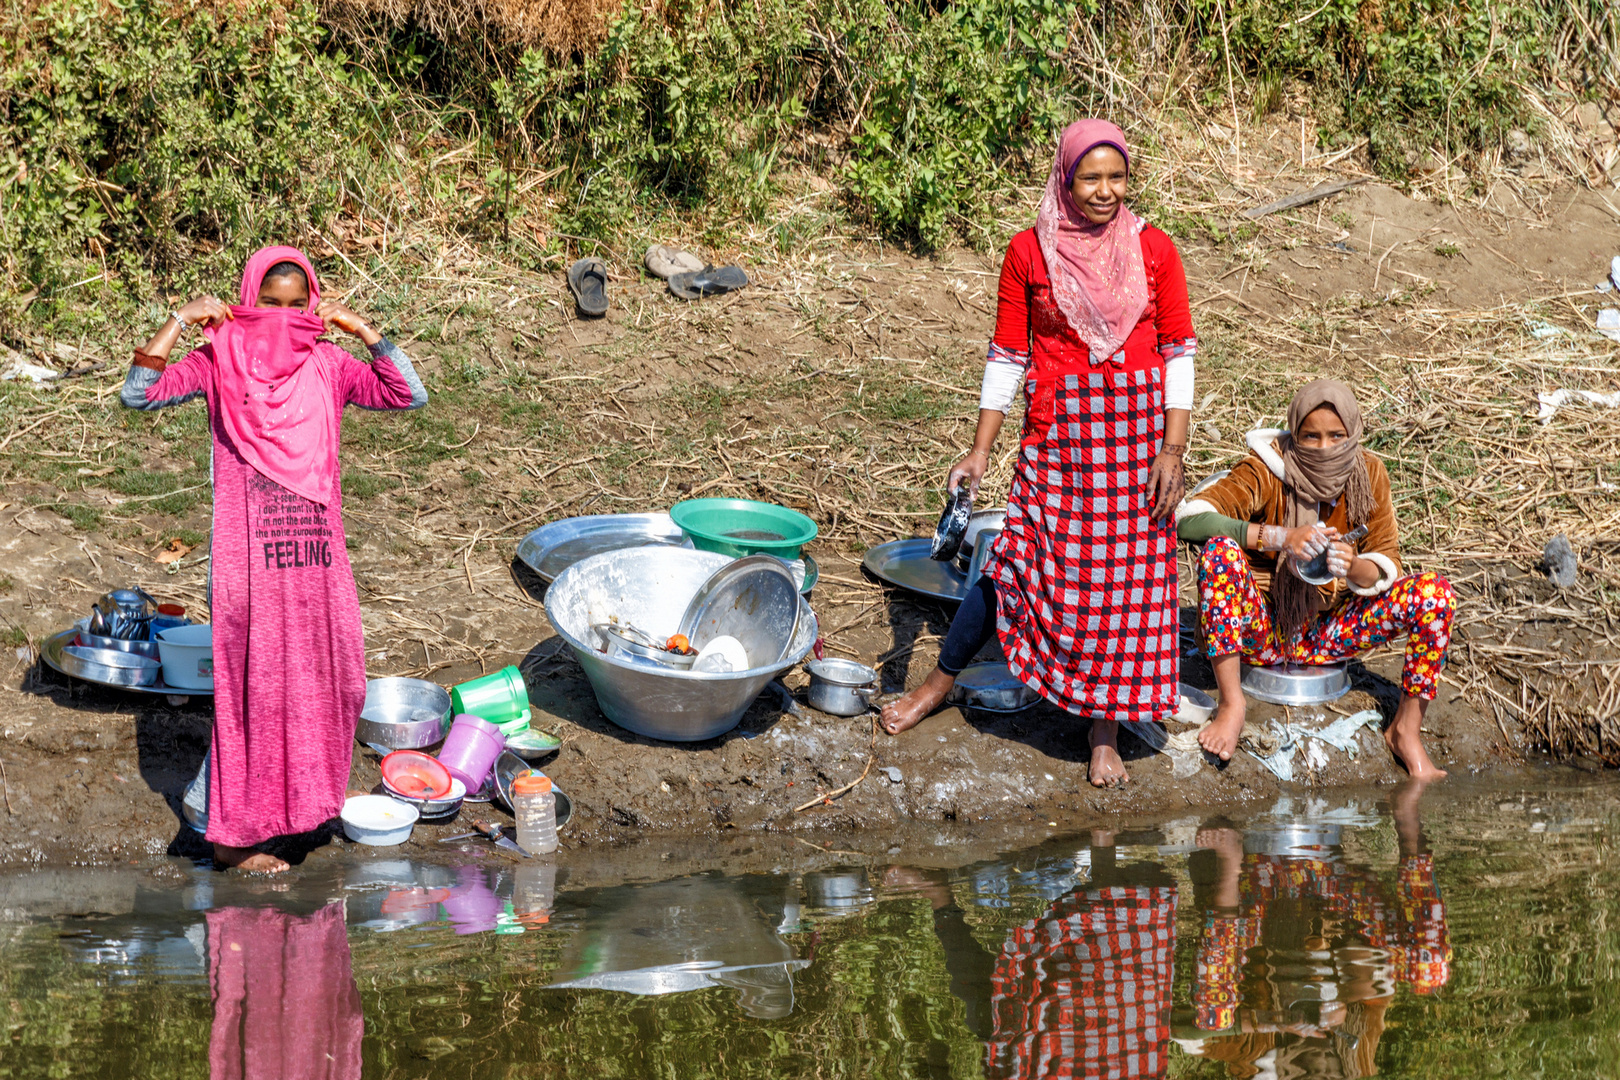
[285, 1003]
[289, 659]
[1084, 991]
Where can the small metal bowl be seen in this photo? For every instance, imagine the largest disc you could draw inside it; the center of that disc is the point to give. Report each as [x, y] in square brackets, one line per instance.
[404, 714]
[990, 687]
[110, 667]
[148, 649]
[1296, 684]
[432, 811]
[637, 651]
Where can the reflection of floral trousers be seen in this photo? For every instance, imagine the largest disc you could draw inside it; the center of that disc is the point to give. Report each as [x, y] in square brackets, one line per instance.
[1236, 619]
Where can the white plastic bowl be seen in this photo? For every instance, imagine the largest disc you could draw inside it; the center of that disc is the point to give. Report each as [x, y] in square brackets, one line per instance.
[378, 820]
[188, 656]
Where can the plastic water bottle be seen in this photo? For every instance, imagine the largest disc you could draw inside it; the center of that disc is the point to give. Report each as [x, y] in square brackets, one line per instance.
[535, 807]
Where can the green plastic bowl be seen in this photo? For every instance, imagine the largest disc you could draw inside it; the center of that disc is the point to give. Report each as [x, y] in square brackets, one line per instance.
[743, 527]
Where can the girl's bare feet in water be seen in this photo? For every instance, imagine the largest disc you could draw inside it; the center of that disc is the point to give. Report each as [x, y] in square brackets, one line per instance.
[1107, 770]
[1225, 727]
[908, 710]
[246, 858]
[1405, 740]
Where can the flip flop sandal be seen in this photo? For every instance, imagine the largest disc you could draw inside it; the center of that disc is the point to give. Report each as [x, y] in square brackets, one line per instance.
[710, 281]
[587, 279]
[666, 262]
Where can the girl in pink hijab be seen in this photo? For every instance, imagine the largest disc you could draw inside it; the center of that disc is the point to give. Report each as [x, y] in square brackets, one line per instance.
[1092, 321]
[289, 660]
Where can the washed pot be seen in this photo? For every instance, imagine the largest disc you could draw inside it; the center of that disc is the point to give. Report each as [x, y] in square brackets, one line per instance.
[841, 687]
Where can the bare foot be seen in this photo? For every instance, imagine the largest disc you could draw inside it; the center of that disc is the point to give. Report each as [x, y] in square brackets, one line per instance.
[1221, 736]
[1407, 746]
[1107, 770]
[245, 858]
[909, 709]
[1405, 739]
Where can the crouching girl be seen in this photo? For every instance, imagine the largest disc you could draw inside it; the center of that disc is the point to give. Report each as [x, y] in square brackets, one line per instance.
[1301, 491]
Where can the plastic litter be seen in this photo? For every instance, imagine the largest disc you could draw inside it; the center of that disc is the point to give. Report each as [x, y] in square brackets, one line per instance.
[22, 369]
[1341, 734]
[1550, 402]
[1608, 323]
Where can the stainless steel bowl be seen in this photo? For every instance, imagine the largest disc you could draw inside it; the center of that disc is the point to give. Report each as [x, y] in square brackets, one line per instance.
[148, 649]
[991, 687]
[754, 599]
[404, 714]
[1296, 684]
[651, 587]
[993, 518]
[110, 667]
[625, 645]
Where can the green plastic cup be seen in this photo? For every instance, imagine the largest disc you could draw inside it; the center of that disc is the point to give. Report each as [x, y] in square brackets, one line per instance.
[499, 698]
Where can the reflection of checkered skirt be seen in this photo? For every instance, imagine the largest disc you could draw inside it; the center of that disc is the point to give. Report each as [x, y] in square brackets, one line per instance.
[1085, 991]
[1086, 579]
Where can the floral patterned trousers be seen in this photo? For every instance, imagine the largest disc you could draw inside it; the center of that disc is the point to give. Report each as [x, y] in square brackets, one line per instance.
[1236, 619]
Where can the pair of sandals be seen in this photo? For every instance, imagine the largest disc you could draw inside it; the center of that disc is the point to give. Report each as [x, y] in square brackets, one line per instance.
[688, 276]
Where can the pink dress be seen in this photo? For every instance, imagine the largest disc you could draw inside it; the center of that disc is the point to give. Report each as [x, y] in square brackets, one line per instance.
[289, 657]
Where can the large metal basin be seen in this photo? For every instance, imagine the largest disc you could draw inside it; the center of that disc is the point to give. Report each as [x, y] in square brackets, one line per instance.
[650, 588]
[1296, 684]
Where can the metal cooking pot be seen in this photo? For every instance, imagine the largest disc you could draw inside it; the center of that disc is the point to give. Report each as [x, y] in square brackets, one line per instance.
[841, 687]
[981, 554]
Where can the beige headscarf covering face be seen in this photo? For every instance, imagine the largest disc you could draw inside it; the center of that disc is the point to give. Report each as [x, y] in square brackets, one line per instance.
[1313, 476]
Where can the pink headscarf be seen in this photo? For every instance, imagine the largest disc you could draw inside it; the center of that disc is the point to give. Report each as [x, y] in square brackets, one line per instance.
[1099, 280]
[274, 384]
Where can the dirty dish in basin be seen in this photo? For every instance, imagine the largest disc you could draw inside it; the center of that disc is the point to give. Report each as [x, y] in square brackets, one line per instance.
[753, 599]
[111, 667]
[629, 644]
[723, 653]
[188, 656]
[404, 714]
[415, 775]
[743, 527]
[651, 587]
[378, 820]
[990, 687]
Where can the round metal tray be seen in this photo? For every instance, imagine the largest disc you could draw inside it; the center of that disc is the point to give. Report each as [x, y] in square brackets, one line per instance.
[50, 651]
[989, 686]
[1296, 684]
[907, 563]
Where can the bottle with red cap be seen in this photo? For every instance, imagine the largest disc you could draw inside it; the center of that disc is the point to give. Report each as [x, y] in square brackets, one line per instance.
[534, 805]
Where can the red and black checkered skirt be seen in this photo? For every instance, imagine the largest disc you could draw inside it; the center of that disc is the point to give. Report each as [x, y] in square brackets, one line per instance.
[1085, 991]
[1085, 579]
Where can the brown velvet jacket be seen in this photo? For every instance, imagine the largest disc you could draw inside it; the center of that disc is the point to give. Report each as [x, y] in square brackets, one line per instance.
[1253, 492]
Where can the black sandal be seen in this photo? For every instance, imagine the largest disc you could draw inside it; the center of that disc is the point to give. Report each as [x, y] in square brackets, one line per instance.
[709, 281]
[587, 279]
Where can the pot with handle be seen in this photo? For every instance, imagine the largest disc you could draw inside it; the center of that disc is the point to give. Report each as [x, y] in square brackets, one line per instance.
[841, 687]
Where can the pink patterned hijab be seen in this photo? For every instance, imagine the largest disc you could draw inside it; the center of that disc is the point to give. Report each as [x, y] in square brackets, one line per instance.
[275, 385]
[1099, 279]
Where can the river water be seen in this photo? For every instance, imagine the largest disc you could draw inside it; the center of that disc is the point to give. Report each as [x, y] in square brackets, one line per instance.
[1467, 930]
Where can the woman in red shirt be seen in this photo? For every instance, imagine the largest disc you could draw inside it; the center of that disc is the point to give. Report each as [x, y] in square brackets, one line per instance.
[1092, 320]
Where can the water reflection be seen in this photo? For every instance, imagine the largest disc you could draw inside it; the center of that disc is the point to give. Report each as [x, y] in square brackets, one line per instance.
[1306, 942]
[285, 1003]
[1300, 951]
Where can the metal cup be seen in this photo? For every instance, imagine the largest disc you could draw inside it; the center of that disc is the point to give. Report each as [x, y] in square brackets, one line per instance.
[981, 554]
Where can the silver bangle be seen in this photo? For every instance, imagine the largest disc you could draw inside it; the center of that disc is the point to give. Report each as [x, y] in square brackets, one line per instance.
[178, 321]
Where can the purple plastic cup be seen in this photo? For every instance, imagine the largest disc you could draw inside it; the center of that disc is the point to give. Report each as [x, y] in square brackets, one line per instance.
[470, 750]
